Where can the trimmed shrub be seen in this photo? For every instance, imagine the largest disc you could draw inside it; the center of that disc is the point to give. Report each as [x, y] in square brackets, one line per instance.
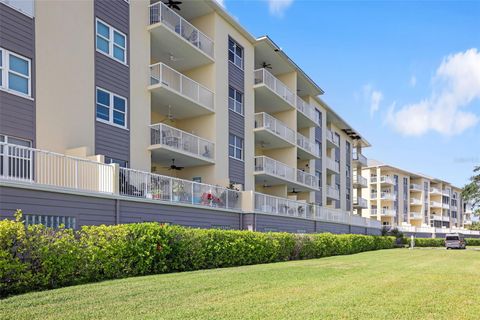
[36, 257]
[429, 242]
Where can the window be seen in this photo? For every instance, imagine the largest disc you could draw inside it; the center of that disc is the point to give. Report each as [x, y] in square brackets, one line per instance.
[235, 53]
[235, 147]
[50, 221]
[235, 100]
[111, 108]
[318, 174]
[318, 117]
[121, 163]
[111, 42]
[15, 73]
[318, 145]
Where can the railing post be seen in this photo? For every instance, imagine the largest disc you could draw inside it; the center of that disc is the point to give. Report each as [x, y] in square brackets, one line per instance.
[191, 192]
[115, 177]
[146, 185]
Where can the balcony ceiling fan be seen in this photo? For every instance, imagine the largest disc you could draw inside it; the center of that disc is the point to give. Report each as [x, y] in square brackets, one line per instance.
[293, 191]
[172, 4]
[265, 185]
[266, 65]
[174, 167]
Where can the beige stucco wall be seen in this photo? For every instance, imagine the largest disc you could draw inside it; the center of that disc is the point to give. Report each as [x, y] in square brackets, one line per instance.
[65, 98]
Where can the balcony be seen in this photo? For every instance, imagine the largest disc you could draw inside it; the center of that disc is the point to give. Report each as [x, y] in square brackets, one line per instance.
[306, 116]
[271, 133]
[333, 193]
[383, 212]
[386, 196]
[188, 47]
[446, 192]
[416, 216]
[415, 202]
[438, 217]
[359, 160]
[359, 181]
[332, 165]
[435, 191]
[445, 206]
[307, 149]
[360, 203]
[332, 140]
[188, 150]
[416, 187]
[175, 94]
[282, 206]
[389, 180]
[435, 204]
[272, 172]
[271, 95]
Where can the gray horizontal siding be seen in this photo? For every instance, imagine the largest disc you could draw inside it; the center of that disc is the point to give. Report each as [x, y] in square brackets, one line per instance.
[17, 34]
[112, 141]
[115, 77]
[283, 224]
[318, 197]
[318, 134]
[358, 230]
[115, 13]
[236, 124]
[236, 170]
[236, 77]
[374, 231]
[332, 227]
[86, 210]
[131, 212]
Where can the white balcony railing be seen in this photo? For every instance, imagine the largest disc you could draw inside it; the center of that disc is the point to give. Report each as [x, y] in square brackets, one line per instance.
[165, 135]
[34, 166]
[159, 12]
[387, 179]
[357, 156]
[277, 127]
[162, 74]
[435, 204]
[416, 215]
[307, 110]
[280, 206]
[307, 144]
[332, 165]
[415, 201]
[446, 192]
[416, 187]
[435, 190]
[445, 206]
[360, 202]
[265, 77]
[274, 168]
[383, 212]
[359, 180]
[307, 179]
[332, 137]
[333, 192]
[139, 184]
[388, 196]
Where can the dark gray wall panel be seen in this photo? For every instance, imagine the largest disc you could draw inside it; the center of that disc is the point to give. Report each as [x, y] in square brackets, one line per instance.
[236, 124]
[318, 134]
[283, 224]
[17, 34]
[332, 227]
[374, 231]
[17, 116]
[86, 210]
[236, 170]
[248, 220]
[112, 141]
[131, 211]
[236, 77]
[358, 230]
[115, 77]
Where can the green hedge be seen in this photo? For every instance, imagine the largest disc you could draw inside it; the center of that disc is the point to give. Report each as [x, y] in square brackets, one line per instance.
[36, 258]
[440, 242]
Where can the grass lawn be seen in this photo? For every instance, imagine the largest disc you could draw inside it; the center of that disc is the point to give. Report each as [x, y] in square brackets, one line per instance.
[388, 284]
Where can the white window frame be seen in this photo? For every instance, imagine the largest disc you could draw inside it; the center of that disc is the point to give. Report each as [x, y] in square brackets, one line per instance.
[233, 103]
[237, 60]
[111, 42]
[5, 71]
[235, 147]
[111, 109]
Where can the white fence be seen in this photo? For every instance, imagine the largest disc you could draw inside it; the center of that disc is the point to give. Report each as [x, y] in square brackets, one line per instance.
[23, 164]
[166, 135]
[159, 12]
[308, 110]
[140, 184]
[266, 121]
[162, 74]
[265, 77]
[437, 230]
[307, 144]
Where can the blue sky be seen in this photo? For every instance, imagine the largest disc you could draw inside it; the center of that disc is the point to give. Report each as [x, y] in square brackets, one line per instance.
[404, 74]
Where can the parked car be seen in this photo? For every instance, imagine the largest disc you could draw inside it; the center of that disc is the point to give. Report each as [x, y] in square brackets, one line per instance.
[455, 241]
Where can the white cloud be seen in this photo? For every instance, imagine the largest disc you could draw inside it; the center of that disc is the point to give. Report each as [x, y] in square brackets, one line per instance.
[373, 98]
[455, 85]
[413, 81]
[277, 7]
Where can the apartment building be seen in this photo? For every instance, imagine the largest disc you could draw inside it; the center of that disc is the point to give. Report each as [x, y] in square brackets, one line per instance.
[400, 198]
[130, 111]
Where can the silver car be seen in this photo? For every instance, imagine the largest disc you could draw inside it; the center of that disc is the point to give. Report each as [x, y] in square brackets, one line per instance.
[455, 241]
